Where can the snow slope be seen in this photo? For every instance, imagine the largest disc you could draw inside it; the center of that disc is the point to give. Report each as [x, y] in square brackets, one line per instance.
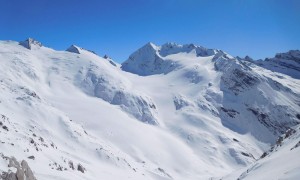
[168, 112]
[280, 162]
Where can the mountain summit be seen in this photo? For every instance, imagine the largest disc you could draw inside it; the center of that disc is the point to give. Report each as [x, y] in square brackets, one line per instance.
[152, 59]
[31, 43]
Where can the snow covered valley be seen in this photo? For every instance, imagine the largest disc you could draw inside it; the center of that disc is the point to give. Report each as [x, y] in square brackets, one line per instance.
[168, 112]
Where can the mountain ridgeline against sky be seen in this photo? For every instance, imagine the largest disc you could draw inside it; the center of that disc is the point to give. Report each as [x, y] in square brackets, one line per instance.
[168, 112]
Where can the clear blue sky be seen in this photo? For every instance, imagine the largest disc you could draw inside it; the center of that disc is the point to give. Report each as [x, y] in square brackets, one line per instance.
[258, 28]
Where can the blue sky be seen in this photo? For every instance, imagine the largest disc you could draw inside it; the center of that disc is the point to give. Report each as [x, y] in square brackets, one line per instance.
[258, 28]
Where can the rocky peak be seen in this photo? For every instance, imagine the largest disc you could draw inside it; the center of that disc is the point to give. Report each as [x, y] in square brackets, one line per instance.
[143, 60]
[74, 49]
[173, 48]
[106, 57]
[151, 59]
[30, 43]
[246, 58]
[293, 55]
[78, 50]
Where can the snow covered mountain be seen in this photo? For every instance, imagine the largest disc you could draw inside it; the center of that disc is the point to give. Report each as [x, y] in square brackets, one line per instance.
[168, 112]
[286, 63]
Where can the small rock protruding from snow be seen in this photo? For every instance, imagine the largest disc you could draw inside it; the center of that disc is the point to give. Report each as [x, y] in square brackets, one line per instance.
[109, 60]
[71, 165]
[74, 49]
[106, 56]
[78, 50]
[30, 43]
[80, 168]
[31, 157]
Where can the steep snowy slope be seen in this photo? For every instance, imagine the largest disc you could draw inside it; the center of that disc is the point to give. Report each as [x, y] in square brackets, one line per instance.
[267, 102]
[286, 63]
[280, 162]
[169, 112]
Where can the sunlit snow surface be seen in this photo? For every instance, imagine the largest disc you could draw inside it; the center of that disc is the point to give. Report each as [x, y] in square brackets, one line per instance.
[192, 114]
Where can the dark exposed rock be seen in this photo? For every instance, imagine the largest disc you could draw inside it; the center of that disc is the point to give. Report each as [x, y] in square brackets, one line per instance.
[31, 157]
[245, 154]
[41, 139]
[297, 145]
[106, 57]
[230, 112]
[265, 120]
[235, 140]
[80, 168]
[5, 128]
[164, 172]
[71, 165]
[112, 63]
[264, 155]
[289, 132]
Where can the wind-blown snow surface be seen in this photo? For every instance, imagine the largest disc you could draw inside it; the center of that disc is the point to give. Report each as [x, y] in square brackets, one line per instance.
[191, 113]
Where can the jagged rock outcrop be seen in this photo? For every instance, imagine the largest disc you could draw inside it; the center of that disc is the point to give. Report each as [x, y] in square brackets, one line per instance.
[74, 49]
[286, 63]
[23, 171]
[30, 43]
[109, 60]
[239, 81]
[78, 50]
[80, 168]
